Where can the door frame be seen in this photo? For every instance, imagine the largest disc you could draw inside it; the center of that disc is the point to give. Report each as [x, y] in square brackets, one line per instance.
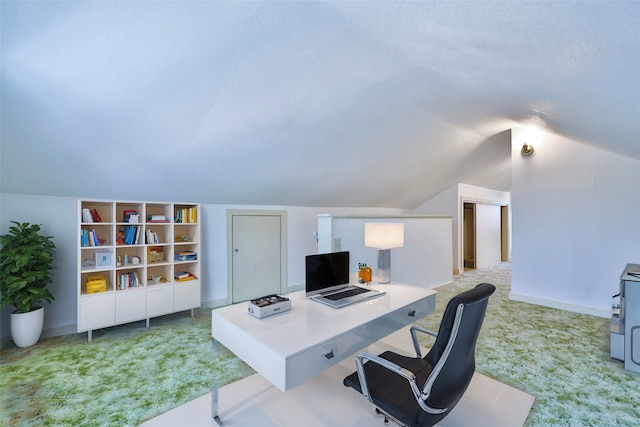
[465, 237]
[283, 245]
[505, 228]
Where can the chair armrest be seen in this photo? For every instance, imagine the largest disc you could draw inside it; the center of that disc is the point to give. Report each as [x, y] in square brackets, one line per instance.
[361, 358]
[414, 337]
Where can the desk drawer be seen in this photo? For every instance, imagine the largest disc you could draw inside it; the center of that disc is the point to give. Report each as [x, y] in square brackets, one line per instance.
[412, 312]
[304, 365]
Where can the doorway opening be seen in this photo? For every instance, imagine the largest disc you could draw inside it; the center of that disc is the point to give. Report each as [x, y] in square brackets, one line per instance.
[485, 235]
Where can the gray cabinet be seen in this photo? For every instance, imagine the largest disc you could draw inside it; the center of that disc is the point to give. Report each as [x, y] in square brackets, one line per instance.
[625, 324]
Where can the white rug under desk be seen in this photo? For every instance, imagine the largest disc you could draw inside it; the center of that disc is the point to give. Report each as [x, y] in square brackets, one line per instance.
[324, 401]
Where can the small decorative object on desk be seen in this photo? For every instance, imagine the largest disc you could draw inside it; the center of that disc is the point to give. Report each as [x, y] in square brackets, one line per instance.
[268, 305]
[364, 273]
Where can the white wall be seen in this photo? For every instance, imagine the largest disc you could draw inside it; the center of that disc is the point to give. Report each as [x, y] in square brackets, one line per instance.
[301, 223]
[59, 218]
[451, 202]
[576, 222]
[425, 260]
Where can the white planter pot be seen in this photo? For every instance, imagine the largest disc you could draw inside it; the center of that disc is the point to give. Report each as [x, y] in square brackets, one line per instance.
[27, 327]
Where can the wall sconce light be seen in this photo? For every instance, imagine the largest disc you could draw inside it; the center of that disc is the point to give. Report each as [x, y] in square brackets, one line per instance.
[527, 150]
[384, 236]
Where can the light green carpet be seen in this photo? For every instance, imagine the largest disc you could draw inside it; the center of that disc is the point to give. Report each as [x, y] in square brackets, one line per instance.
[128, 374]
[561, 358]
[125, 375]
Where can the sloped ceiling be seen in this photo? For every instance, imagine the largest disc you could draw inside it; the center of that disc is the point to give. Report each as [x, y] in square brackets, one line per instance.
[304, 103]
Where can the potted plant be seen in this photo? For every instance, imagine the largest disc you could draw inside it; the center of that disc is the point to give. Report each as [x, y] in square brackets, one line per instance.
[25, 263]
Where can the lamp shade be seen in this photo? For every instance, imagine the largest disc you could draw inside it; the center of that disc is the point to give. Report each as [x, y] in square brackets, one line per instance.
[383, 235]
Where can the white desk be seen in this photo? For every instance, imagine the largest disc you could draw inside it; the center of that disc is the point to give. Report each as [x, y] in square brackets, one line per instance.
[294, 346]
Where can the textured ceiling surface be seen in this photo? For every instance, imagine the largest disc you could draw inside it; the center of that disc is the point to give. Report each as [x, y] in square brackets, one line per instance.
[304, 103]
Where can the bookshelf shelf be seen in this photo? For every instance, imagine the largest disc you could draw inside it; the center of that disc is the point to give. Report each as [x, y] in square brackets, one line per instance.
[132, 258]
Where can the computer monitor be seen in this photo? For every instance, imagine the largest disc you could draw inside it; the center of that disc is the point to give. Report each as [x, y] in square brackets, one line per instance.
[326, 272]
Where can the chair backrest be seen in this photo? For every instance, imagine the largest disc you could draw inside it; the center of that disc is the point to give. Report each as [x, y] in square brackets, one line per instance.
[453, 353]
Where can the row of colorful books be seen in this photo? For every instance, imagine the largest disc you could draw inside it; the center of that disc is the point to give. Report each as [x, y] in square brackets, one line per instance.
[183, 215]
[90, 238]
[152, 238]
[186, 216]
[128, 280]
[129, 235]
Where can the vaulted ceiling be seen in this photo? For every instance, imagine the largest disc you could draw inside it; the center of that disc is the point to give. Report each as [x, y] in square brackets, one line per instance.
[304, 103]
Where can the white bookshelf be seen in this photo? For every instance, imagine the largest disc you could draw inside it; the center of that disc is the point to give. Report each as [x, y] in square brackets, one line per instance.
[139, 261]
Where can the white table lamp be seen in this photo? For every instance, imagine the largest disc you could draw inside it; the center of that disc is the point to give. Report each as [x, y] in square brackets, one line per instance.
[384, 236]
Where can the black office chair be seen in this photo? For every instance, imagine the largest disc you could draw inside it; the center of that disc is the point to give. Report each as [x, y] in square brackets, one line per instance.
[419, 392]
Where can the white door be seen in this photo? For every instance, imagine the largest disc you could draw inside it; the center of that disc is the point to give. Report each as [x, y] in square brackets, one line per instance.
[256, 256]
[488, 235]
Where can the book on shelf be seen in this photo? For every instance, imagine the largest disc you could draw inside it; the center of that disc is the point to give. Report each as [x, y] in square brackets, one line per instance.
[137, 237]
[183, 276]
[156, 218]
[128, 280]
[90, 238]
[84, 238]
[95, 215]
[185, 256]
[126, 214]
[86, 215]
[152, 237]
[129, 235]
[186, 215]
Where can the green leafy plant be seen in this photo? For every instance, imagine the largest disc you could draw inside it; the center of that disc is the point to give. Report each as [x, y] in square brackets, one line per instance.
[25, 263]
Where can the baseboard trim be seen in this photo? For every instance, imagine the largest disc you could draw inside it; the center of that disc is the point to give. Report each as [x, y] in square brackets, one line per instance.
[59, 331]
[215, 303]
[560, 305]
[47, 333]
